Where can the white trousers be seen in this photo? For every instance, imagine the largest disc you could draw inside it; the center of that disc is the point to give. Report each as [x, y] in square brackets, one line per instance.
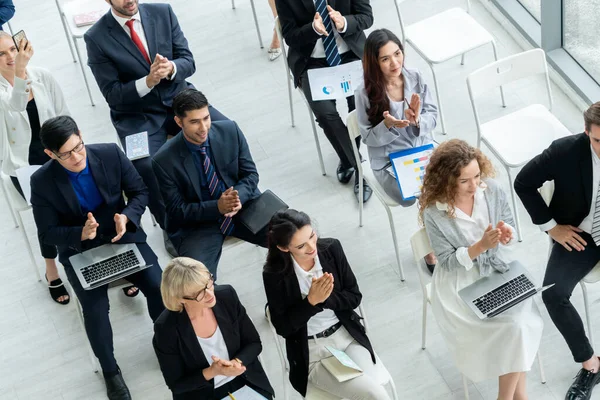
[364, 387]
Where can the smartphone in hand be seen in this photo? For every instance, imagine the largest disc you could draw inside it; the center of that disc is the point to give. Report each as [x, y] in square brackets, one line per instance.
[18, 37]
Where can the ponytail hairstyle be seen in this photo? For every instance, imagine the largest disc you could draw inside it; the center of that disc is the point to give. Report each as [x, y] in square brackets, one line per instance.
[284, 224]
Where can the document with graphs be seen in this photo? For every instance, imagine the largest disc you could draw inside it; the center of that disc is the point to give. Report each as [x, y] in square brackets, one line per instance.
[408, 167]
[337, 82]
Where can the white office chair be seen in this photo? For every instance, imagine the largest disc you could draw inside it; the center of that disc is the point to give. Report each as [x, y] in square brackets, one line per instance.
[419, 242]
[260, 42]
[443, 36]
[290, 81]
[17, 204]
[312, 392]
[547, 191]
[67, 10]
[521, 135]
[367, 175]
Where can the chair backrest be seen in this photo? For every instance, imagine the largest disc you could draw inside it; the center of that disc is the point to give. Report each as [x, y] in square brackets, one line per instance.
[420, 245]
[354, 132]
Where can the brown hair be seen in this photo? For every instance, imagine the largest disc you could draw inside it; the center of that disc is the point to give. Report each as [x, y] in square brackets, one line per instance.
[592, 116]
[374, 79]
[444, 168]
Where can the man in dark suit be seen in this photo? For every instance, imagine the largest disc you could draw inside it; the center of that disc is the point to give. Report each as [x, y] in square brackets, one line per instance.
[140, 59]
[78, 204]
[319, 36]
[573, 222]
[7, 10]
[206, 175]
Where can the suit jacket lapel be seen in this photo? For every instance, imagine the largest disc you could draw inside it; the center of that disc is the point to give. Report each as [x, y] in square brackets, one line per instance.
[186, 331]
[587, 176]
[188, 164]
[118, 34]
[149, 32]
[99, 173]
[310, 6]
[216, 144]
[65, 188]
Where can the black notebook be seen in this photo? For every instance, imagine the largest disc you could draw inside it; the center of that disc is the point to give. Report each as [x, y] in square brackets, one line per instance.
[257, 213]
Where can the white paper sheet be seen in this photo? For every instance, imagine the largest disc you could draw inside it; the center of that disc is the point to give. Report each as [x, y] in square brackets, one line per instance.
[336, 82]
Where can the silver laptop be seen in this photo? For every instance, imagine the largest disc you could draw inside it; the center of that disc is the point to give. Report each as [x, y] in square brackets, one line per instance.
[498, 292]
[107, 263]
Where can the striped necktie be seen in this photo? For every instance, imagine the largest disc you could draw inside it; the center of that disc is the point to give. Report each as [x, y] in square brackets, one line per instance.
[215, 187]
[331, 51]
[596, 220]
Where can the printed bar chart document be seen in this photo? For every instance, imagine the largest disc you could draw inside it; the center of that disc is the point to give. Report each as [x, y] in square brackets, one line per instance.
[408, 167]
[337, 82]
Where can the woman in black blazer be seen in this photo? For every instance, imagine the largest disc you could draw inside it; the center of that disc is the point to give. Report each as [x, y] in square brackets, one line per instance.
[206, 348]
[312, 294]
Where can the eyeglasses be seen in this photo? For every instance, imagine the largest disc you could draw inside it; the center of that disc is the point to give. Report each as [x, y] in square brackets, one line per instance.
[68, 154]
[200, 295]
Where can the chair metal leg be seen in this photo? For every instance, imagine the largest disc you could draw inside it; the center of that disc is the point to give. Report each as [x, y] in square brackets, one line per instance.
[514, 203]
[89, 346]
[260, 42]
[586, 304]
[465, 387]
[462, 59]
[360, 198]
[10, 29]
[541, 366]
[87, 85]
[439, 100]
[424, 325]
[64, 24]
[501, 89]
[289, 85]
[317, 143]
[394, 392]
[28, 246]
[395, 240]
[12, 212]
[233, 4]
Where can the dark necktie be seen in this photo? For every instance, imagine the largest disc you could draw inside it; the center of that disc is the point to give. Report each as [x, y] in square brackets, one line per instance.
[137, 41]
[215, 187]
[331, 51]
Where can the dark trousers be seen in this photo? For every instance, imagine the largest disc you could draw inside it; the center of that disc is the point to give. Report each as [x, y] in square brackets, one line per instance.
[205, 243]
[94, 304]
[565, 269]
[48, 251]
[144, 165]
[327, 115]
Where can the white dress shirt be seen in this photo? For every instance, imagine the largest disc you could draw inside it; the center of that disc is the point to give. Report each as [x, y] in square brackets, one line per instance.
[473, 228]
[140, 85]
[215, 346]
[326, 318]
[319, 49]
[586, 224]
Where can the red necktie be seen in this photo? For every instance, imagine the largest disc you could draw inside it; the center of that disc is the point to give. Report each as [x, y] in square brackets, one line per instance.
[137, 41]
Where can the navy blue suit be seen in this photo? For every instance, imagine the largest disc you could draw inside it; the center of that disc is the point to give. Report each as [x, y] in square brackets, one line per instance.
[7, 10]
[192, 223]
[60, 220]
[117, 63]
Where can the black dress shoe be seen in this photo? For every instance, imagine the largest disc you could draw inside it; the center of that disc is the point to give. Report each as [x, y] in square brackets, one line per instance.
[367, 192]
[344, 174]
[169, 246]
[116, 389]
[584, 383]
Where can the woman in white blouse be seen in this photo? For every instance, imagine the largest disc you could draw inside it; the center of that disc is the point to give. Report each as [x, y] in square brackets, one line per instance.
[312, 293]
[28, 97]
[469, 223]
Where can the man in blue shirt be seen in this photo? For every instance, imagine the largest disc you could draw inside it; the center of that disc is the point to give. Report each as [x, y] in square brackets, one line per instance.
[78, 204]
[7, 10]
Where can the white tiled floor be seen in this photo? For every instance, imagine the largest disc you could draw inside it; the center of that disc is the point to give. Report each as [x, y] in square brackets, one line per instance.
[43, 350]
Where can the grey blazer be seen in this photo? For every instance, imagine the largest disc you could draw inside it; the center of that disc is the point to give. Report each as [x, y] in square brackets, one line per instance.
[382, 141]
[445, 235]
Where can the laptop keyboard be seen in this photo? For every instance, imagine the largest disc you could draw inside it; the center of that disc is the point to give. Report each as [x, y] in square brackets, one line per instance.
[109, 267]
[503, 294]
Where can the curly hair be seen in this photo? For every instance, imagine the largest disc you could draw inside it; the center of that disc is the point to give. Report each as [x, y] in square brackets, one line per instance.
[444, 168]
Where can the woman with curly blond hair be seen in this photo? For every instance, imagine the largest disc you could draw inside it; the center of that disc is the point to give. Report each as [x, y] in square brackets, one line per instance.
[470, 226]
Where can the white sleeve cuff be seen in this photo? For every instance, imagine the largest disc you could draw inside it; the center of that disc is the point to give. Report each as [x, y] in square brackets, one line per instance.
[345, 26]
[174, 71]
[462, 255]
[548, 225]
[317, 32]
[142, 89]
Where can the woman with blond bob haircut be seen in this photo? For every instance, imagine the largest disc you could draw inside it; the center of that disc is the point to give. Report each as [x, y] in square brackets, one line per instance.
[470, 226]
[206, 348]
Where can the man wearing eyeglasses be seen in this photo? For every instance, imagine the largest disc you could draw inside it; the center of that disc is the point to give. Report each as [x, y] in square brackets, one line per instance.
[78, 204]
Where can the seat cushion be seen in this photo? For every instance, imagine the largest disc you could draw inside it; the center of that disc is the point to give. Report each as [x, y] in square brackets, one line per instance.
[377, 188]
[594, 275]
[519, 136]
[446, 35]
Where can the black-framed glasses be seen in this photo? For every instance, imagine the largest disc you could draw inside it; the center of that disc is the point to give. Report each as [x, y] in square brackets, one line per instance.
[68, 154]
[200, 295]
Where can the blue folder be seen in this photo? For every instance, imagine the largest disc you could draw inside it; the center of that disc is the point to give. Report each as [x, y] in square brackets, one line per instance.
[403, 153]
